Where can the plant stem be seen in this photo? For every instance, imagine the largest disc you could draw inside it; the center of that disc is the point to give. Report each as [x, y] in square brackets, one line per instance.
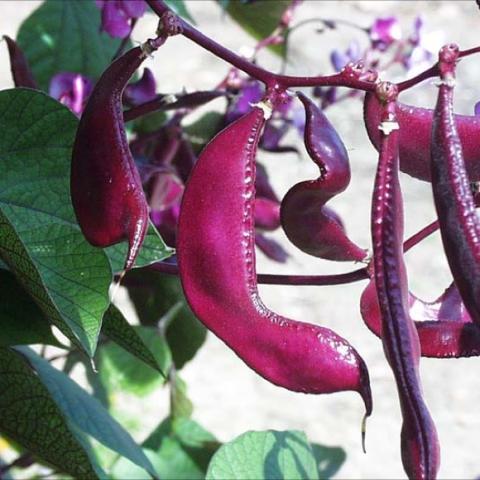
[271, 80]
[272, 279]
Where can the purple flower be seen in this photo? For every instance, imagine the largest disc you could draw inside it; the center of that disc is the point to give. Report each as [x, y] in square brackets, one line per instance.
[71, 89]
[117, 15]
[141, 91]
[272, 136]
[422, 47]
[251, 92]
[339, 59]
[384, 32]
[476, 108]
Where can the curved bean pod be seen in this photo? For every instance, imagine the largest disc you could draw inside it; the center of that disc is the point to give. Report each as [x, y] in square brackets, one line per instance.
[420, 450]
[21, 73]
[216, 258]
[106, 189]
[459, 224]
[415, 136]
[445, 329]
[307, 224]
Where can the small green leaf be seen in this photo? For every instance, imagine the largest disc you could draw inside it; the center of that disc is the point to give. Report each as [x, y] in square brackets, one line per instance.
[153, 298]
[180, 8]
[329, 459]
[180, 405]
[265, 455]
[31, 418]
[40, 240]
[65, 37]
[121, 371]
[153, 250]
[259, 18]
[22, 322]
[116, 327]
[86, 412]
[179, 450]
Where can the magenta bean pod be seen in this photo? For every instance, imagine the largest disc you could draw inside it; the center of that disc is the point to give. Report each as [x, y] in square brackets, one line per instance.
[459, 224]
[216, 257]
[106, 189]
[307, 224]
[420, 450]
[21, 73]
[415, 137]
[445, 329]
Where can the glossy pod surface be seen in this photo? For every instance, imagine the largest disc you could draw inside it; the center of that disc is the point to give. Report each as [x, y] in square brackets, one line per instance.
[308, 224]
[415, 137]
[216, 259]
[106, 189]
[445, 329]
[420, 450]
[457, 216]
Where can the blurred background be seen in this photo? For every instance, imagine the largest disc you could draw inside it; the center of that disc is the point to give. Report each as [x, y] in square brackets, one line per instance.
[228, 397]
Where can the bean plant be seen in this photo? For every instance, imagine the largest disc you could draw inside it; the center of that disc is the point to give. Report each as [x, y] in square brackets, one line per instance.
[110, 186]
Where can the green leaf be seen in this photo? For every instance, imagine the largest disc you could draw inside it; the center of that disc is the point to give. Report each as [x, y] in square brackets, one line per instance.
[180, 8]
[180, 405]
[153, 250]
[64, 36]
[116, 327]
[22, 322]
[265, 455]
[203, 130]
[31, 418]
[153, 298]
[329, 459]
[179, 450]
[121, 371]
[40, 240]
[259, 18]
[86, 412]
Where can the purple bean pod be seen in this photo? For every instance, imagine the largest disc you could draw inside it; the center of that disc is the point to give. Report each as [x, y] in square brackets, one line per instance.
[444, 327]
[420, 449]
[216, 258]
[106, 189]
[307, 224]
[415, 136]
[459, 224]
[21, 73]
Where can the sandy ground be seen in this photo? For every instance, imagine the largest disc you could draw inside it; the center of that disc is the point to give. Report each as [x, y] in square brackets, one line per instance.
[229, 398]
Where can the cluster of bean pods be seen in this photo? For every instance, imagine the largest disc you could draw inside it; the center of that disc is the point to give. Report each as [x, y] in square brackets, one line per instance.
[221, 210]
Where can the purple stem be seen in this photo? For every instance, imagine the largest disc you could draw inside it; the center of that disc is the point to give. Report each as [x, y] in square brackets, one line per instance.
[271, 80]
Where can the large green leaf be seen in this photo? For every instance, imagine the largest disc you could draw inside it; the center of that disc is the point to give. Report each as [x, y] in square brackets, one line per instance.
[116, 327]
[121, 371]
[86, 412]
[329, 459]
[39, 237]
[64, 36]
[259, 18]
[30, 417]
[153, 296]
[21, 321]
[153, 249]
[265, 455]
[179, 450]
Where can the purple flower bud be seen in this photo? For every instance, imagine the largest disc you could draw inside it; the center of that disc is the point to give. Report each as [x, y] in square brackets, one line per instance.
[142, 90]
[298, 119]
[415, 37]
[117, 15]
[384, 32]
[71, 89]
[271, 248]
